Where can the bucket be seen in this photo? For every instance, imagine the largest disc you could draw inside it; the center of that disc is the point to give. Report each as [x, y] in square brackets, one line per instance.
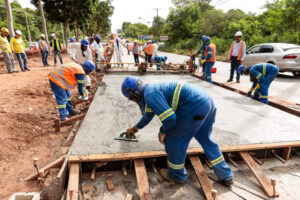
[25, 196]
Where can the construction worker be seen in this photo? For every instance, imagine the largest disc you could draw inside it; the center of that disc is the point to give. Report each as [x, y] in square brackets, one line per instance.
[18, 47]
[149, 51]
[128, 48]
[56, 45]
[262, 76]
[98, 48]
[63, 79]
[210, 58]
[155, 48]
[81, 53]
[236, 55]
[136, 51]
[6, 51]
[202, 51]
[118, 52]
[160, 59]
[186, 111]
[44, 49]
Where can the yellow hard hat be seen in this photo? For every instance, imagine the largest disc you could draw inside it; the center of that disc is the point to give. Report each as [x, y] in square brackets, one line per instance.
[3, 29]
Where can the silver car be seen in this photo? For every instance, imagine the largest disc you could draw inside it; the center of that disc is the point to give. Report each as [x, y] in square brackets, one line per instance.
[285, 56]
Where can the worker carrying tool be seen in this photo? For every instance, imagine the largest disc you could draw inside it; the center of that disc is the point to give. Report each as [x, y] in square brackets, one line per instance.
[202, 52]
[160, 59]
[262, 76]
[65, 77]
[210, 58]
[186, 111]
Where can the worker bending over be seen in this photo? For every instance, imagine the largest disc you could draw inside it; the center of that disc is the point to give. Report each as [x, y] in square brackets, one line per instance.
[63, 79]
[262, 76]
[160, 59]
[210, 58]
[186, 111]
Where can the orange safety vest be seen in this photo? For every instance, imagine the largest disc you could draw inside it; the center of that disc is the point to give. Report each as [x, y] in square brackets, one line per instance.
[213, 51]
[242, 43]
[129, 47]
[149, 49]
[64, 76]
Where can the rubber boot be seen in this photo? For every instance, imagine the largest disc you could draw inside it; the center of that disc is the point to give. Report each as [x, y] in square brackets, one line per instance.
[164, 173]
[75, 112]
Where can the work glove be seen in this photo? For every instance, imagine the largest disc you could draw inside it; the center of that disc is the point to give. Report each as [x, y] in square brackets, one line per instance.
[203, 61]
[131, 131]
[249, 93]
[161, 138]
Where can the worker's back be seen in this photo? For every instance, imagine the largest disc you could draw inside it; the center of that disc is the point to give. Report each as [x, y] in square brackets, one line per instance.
[188, 97]
[264, 68]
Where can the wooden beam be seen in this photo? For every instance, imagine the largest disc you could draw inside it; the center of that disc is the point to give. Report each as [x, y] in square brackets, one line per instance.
[286, 152]
[142, 179]
[73, 119]
[53, 164]
[73, 185]
[129, 196]
[110, 185]
[202, 177]
[191, 151]
[259, 175]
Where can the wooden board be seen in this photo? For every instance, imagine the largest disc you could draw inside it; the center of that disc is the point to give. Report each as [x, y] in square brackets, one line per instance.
[73, 181]
[110, 185]
[286, 152]
[129, 196]
[53, 164]
[259, 174]
[73, 119]
[192, 151]
[142, 179]
[202, 177]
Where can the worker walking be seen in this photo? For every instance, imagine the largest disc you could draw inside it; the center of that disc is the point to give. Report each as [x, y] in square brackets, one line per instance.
[18, 47]
[63, 79]
[56, 45]
[186, 111]
[118, 52]
[98, 48]
[44, 50]
[262, 76]
[81, 53]
[236, 55]
[6, 51]
[149, 51]
[159, 60]
[202, 52]
[210, 58]
[136, 51]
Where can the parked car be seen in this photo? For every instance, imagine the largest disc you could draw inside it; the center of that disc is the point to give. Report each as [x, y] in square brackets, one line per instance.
[161, 44]
[285, 56]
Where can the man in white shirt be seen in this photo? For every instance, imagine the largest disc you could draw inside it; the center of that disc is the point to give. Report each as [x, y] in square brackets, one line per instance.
[98, 48]
[236, 55]
[155, 49]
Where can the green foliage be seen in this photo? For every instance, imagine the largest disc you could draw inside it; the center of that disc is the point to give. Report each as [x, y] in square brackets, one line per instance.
[134, 30]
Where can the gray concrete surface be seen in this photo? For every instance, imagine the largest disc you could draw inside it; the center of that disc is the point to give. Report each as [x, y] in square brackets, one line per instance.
[240, 120]
[285, 86]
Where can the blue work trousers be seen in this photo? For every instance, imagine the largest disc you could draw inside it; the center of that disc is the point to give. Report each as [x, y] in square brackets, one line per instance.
[235, 63]
[63, 100]
[264, 86]
[22, 56]
[59, 55]
[45, 57]
[207, 68]
[196, 122]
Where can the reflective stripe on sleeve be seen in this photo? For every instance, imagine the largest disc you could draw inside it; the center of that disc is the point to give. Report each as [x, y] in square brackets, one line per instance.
[173, 166]
[176, 96]
[264, 69]
[166, 114]
[258, 76]
[217, 161]
[148, 109]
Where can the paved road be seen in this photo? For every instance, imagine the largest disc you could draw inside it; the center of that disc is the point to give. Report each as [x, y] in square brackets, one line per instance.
[285, 86]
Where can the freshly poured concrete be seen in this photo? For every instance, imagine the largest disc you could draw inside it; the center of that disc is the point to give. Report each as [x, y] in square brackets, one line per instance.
[240, 120]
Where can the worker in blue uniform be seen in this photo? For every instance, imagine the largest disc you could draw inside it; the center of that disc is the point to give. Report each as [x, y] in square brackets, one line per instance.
[202, 52]
[160, 59]
[210, 58]
[186, 111]
[262, 76]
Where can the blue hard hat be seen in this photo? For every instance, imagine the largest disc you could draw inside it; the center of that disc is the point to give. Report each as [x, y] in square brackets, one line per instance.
[85, 42]
[97, 37]
[129, 85]
[90, 65]
[165, 57]
[241, 69]
[203, 37]
[71, 39]
[117, 40]
[206, 39]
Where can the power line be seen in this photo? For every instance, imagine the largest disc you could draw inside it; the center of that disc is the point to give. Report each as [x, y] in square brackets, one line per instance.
[157, 9]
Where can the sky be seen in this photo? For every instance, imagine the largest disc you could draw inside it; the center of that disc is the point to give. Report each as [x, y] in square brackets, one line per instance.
[132, 10]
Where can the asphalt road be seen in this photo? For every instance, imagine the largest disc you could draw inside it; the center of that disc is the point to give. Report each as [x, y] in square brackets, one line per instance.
[285, 86]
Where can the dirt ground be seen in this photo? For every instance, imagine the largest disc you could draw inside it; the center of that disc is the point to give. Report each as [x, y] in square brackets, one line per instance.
[27, 113]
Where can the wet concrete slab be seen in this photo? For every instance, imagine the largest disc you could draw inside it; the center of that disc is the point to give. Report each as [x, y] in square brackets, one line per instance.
[239, 120]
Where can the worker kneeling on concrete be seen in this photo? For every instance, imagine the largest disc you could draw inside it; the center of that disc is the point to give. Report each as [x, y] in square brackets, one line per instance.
[186, 111]
[262, 76]
[160, 59]
[63, 79]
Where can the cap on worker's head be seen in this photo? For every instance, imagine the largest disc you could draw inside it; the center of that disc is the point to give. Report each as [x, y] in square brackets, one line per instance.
[18, 32]
[166, 58]
[129, 85]
[72, 39]
[97, 37]
[239, 33]
[203, 37]
[241, 69]
[43, 35]
[4, 30]
[88, 66]
[53, 35]
[85, 42]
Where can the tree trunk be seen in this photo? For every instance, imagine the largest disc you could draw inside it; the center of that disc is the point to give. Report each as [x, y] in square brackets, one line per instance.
[77, 29]
[28, 30]
[9, 19]
[65, 32]
[44, 24]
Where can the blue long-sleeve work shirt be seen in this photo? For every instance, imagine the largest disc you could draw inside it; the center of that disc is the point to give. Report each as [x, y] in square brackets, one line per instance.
[169, 101]
[260, 71]
[80, 81]
[202, 49]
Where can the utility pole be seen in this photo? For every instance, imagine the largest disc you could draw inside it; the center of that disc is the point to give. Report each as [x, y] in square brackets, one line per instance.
[28, 30]
[157, 9]
[9, 19]
[43, 22]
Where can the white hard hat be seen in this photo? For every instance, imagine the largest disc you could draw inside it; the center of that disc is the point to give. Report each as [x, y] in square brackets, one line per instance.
[135, 40]
[239, 33]
[43, 35]
[18, 32]
[53, 34]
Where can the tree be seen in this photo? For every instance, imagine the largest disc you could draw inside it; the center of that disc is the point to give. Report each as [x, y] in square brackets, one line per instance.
[157, 25]
[10, 25]
[43, 22]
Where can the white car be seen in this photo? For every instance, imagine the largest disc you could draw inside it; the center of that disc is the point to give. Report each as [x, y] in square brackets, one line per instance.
[283, 55]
